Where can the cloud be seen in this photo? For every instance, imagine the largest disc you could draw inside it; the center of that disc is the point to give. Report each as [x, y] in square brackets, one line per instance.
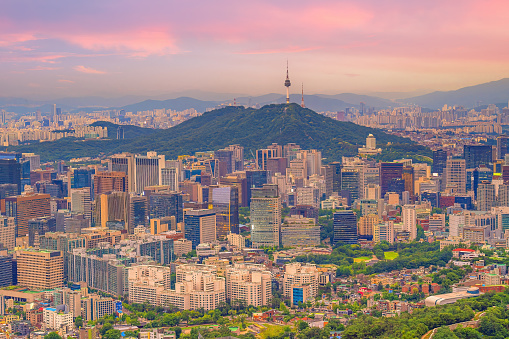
[66, 81]
[43, 68]
[352, 74]
[88, 70]
[281, 50]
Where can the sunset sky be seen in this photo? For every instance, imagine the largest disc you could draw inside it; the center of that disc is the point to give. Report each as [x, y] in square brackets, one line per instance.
[57, 48]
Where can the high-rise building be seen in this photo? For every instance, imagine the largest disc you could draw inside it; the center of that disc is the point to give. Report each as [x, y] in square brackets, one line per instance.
[26, 207]
[502, 146]
[486, 196]
[225, 201]
[299, 231]
[384, 232]
[200, 226]
[170, 177]
[106, 182]
[262, 155]
[63, 242]
[6, 276]
[296, 277]
[138, 212]
[351, 182]
[345, 227]
[40, 270]
[409, 216]
[389, 171]
[408, 177]
[265, 216]
[226, 161]
[165, 204]
[37, 227]
[366, 224]
[372, 192]
[82, 177]
[476, 155]
[249, 282]
[10, 172]
[456, 175]
[112, 207]
[7, 232]
[81, 201]
[125, 163]
[241, 184]
[439, 161]
[336, 176]
[309, 196]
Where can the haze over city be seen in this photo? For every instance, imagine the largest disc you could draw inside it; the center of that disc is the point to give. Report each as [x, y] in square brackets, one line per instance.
[55, 49]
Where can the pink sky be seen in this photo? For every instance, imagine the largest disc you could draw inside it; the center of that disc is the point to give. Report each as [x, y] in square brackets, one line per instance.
[117, 47]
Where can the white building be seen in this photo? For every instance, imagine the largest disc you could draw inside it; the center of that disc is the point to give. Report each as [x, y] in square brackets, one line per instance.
[410, 221]
[57, 317]
[249, 282]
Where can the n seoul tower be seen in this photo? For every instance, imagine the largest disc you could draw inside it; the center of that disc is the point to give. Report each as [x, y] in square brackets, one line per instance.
[287, 84]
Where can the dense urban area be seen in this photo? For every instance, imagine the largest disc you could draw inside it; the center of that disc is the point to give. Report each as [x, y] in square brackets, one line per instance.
[400, 238]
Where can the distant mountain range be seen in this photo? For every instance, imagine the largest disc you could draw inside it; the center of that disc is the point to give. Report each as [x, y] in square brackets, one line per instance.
[249, 127]
[494, 92]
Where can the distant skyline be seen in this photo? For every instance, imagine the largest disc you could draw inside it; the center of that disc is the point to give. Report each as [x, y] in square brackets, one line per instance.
[54, 49]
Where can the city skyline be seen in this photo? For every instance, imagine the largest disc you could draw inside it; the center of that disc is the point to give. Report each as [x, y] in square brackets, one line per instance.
[124, 48]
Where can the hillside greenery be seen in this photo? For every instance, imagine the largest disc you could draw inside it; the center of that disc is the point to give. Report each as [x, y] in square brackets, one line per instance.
[251, 128]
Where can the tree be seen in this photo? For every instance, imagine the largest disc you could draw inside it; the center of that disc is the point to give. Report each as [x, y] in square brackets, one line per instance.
[112, 334]
[106, 327]
[78, 322]
[52, 335]
[444, 333]
[302, 325]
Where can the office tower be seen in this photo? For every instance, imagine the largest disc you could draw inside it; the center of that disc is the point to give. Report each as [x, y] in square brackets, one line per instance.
[297, 170]
[138, 212]
[34, 161]
[63, 242]
[159, 248]
[389, 171]
[439, 161]
[502, 146]
[112, 207]
[6, 271]
[8, 190]
[295, 277]
[309, 196]
[345, 227]
[481, 174]
[384, 232]
[241, 184]
[120, 133]
[456, 175]
[313, 161]
[251, 283]
[265, 216]
[336, 176]
[366, 224]
[299, 231]
[237, 157]
[225, 201]
[408, 177]
[476, 155]
[226, 161]
[170, 178]
[200, 226]
[37, 227]
[82, 177]
[26, 207]
[106, 182]
[277, 165]
[262, 155]
[409, 215]
[485, 196]
[148, 170]
[40, 270]
[369, 207]
[7, 233]
[54, 113]
[372, 192]
[456, 224]
[80, 201]
[351, 182]
[94, 307]
[3, 117]
[165, 204]
[503, 195]
[125, 163]
[290, 151]
[10, 172]
[42, 175]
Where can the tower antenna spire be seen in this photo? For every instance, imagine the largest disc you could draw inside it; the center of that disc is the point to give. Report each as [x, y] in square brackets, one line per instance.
[287, 84]
[302, 102]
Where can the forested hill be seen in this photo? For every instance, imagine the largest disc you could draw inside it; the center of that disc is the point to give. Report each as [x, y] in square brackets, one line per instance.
[249, 127]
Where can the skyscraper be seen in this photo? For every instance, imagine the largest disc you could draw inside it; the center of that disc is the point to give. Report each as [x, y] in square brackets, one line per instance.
[138, 212]
[200, 226]
[456, 175]
[40, 270]
[502, 146]
[486, 196]
[476, 155]
[10, 172]
[105, 182]
[225, 201]
[82, 177]
[170, 177]
[439, 161]
[26, 207]
[389, 171]
[265, 216]
[410, 221]
[165, 204]
[7, 233]
[81, 201]
[345, 227]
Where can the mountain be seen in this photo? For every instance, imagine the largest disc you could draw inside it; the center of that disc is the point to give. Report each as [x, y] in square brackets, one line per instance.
[356, 99]
[317, 102]
[493, 92]
[178, 104]
[251, 128]
[130, 131]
